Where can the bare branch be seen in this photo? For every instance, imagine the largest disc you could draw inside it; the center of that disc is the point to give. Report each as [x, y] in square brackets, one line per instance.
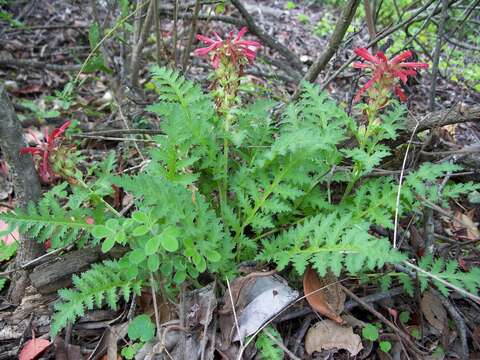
[436, 54]
[138, 46]
[191, 36]
[340, 29]
[267, 39]
[33, 64]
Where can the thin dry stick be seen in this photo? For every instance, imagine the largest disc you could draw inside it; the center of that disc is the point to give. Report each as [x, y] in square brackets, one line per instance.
[383, 319]
[125, 121]
[155, 307]
[191, 36]
[234, 313]
[205, 327]
[397, 205]
[158, 35]
[421, 28]
[138, 46]
[107, 35]
[443, 211]
[457, 317]
[436, 54]
[281, 345]
[175, 31]
[370, 21]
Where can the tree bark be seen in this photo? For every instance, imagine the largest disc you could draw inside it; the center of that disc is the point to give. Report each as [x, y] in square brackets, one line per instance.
[26, 185]
[459, 114]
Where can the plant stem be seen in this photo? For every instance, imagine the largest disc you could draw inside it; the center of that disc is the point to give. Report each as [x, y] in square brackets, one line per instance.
[107, 205]
[225, 157]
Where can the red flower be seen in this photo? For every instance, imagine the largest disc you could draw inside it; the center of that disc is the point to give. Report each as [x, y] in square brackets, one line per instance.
[44, 149]
[232, 47]
[385, 71]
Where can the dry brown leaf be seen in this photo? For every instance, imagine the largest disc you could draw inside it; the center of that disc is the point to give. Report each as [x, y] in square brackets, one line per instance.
[434, 311]
[327, 335]
[328, 301]
[469, 225]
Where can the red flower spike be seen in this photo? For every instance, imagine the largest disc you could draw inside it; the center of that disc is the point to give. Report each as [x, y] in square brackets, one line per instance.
[44, 149]
[231, 47]
[386, 72]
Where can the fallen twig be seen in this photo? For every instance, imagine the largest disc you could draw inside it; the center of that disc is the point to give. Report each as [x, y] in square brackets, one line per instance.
[26, 64]
[459, 322]
[387, 322]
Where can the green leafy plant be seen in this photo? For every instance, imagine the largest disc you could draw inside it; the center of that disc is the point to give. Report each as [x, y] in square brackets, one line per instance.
[385, 346]
[290, 5]
[370, 332]
[38, 111]
[227, 181]
[304, 19]
[404, 317]
[268, 348]
[140, 330]
[2, 283]
[7, 251]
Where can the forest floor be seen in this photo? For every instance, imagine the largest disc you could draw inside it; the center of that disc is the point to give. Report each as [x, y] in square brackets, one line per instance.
[39, 58]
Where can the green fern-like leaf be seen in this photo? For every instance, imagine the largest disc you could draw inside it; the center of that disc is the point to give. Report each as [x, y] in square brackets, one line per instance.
[49, 220]
[102, 283]
[269, 349]
[2, 283]
[330, 243]
[450, 272]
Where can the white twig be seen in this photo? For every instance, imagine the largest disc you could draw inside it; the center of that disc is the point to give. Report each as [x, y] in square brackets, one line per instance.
[397, 205]
[234, 313]
[155, 307]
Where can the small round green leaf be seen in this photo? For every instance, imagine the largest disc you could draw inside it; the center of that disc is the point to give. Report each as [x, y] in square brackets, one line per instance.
[101, 231]
[370, 332]
[141, 328]
[128, 353]
[108, 244]
[166, 268]
[111, 223]
[137, 256]
[180, 277]
[404, 316]
[213, 256]
[169, 238]
[120, 237]
[385, 346]
[140, 217]
[131, 273]
[153, 263]
[140, 230]
[152, 245]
